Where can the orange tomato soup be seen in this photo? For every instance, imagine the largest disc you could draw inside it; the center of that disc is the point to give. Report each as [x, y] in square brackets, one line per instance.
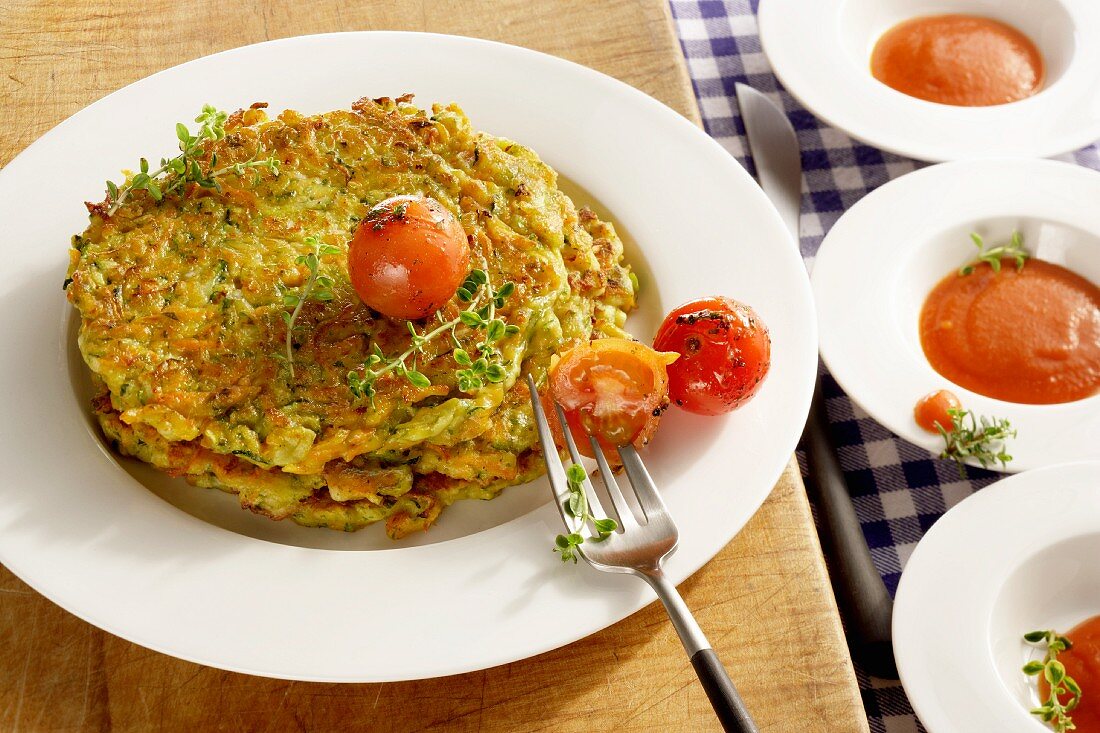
[1083, 665]
[1030, 336]
[964, 60]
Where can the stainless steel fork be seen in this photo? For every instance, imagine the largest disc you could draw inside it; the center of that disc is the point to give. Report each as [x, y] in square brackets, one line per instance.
[639, 548]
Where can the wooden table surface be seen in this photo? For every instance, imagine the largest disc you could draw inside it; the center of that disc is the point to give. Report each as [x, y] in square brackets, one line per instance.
[764, 600]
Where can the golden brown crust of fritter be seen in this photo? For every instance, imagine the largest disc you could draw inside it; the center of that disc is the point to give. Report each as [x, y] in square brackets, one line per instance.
[182, 306]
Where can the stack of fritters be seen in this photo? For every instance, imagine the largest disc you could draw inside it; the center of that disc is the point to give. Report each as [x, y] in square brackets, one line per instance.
[182, 324]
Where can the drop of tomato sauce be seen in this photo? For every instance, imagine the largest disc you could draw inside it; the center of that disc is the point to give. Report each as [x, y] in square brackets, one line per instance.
[962, 60]
[932, 410]
[1082, 663]
[1030, 336]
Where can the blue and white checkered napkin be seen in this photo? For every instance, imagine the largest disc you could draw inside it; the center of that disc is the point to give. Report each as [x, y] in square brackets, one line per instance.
[898, 489]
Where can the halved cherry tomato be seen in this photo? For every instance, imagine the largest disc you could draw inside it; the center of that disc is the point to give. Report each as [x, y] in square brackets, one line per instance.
[932, 409]
[611, 388]
[408, 257]
[725, 353]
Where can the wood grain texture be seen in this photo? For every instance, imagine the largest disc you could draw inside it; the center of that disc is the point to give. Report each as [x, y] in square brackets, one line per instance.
[764, 600]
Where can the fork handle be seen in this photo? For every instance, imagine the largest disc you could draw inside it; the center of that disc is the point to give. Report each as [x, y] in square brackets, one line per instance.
[725, 700]
[727, 704]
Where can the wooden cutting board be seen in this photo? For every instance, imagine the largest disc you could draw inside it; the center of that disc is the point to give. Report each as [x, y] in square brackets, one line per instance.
[764, 600]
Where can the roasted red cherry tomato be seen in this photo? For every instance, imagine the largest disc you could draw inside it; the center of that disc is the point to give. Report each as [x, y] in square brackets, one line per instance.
[933, 408]
[725, 353]
[611, 388]
[408, 257]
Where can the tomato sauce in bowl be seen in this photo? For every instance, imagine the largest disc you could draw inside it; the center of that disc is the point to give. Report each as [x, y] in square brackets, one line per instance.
[961, 60]
[1082, 663]
[1030, 336]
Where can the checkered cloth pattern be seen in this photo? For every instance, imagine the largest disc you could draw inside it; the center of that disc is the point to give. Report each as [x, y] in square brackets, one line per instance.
[898, 489]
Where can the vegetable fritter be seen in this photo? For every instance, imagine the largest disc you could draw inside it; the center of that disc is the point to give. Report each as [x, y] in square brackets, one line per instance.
[183, 304]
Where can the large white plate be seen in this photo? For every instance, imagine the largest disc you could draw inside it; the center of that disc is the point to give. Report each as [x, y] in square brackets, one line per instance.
[880, 260]
[1017, 556]
[202, 580]
[821, 51]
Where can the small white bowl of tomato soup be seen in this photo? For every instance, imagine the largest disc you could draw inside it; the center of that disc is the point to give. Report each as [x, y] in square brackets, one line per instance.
[942, 80]
[1015, 558]
[908, 306]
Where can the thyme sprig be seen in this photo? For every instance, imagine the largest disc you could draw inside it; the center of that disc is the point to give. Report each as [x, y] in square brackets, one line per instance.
[317, 287]
[980, 438]
[188, 166]
[993, 255]
[577, 506]
[480, 315]
[1053, 710]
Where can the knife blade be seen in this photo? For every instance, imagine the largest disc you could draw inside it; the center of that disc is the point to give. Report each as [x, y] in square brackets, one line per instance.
[774, 149]
[864, 601]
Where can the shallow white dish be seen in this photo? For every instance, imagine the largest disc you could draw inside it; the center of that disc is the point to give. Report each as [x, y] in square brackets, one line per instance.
[187, 572]
[989, 571]
[880, 260]
[821, 50]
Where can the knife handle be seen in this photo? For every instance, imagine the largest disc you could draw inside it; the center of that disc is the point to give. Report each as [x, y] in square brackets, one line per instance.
[864, 600]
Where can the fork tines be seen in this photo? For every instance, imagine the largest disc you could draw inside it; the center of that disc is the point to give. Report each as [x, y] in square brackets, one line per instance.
[646, 509]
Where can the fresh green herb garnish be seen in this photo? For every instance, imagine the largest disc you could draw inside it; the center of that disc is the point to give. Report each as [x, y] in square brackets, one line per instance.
[1053, 710]
[318, 287]
[577, 506]
[480, 315]
[971, 437]
[993, 255]
[188, 166]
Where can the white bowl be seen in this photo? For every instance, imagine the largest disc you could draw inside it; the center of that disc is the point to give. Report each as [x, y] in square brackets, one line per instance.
[821, 49]
[880, 260]
[1017, 556]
